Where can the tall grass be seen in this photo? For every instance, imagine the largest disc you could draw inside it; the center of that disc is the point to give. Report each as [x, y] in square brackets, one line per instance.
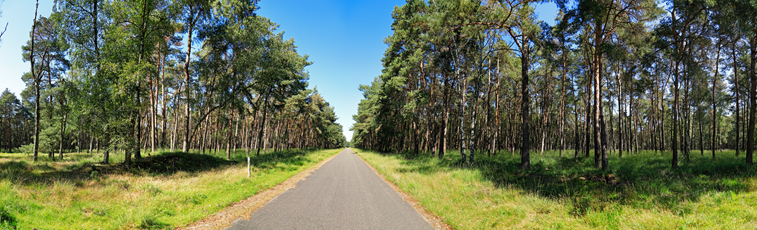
[163, 191]
[639, 191]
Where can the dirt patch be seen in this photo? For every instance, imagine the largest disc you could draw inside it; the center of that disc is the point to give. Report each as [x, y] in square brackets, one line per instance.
[243, 210]
[431, 218]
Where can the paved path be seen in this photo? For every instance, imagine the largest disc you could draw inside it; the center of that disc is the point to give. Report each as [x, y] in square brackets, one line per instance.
[343, 194]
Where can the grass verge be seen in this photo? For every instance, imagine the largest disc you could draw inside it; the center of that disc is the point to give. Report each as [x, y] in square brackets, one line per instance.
[639, 191]
[162, 191]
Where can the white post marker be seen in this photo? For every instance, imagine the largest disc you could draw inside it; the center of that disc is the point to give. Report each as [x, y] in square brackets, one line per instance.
[248, 167]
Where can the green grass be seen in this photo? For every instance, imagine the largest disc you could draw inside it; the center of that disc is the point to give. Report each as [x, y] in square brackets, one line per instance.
[639, 191]
[163, 191]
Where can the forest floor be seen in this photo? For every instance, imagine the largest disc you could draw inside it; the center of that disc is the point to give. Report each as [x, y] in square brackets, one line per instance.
[639, 191]
[162, 191]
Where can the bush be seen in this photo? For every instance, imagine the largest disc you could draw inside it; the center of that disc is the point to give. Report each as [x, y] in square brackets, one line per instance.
[27, 148]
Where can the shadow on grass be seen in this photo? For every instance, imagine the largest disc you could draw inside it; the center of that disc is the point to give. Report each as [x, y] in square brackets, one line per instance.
[162, 164]
[643, 180]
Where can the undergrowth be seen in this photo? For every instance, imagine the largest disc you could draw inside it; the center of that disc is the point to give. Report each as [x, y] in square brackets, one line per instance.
[162, 191]
[639, 191]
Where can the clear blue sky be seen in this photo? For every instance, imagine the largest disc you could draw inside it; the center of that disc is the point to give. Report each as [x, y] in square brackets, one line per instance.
[344, 39]
[19, 15]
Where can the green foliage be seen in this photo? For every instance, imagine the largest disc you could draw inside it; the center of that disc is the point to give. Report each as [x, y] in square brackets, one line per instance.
[13, 116]
[109, 70]
[639, 191]
[615, 75]
[169, 189]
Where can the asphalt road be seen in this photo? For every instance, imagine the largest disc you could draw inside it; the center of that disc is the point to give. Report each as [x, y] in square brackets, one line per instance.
[343, 194]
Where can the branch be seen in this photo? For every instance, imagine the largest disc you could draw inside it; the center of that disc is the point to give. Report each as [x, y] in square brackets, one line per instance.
[6, 29]
[211, 110]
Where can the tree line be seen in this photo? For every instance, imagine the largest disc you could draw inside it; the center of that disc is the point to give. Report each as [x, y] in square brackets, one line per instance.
[609, 77]
[205, 75]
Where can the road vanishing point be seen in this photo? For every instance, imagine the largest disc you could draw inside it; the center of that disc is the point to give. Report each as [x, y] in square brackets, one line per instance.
[343, 194]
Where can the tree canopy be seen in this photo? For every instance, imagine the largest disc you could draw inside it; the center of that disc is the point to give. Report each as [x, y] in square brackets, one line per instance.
[146, 75]
[608, 77]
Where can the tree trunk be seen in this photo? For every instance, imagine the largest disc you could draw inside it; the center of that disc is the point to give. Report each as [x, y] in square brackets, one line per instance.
[473, 125]
[204, 137]
[463, 87]
[106, 146]
[600, 125]
[62, 132]
[230, 136]
[445, 120]
[701, 139]
[737, 89]
[185, 142]
[675, 119]
[562, 103]
[621, 114]
[174, 134]
[588, 117]
[752, 101]
[496, 112]
[36, 77]
[262, 125]
[153, 110]
[163, 100]
[525, 159]
[714, 105]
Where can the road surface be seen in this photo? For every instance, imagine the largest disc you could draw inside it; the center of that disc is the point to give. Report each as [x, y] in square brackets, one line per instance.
[343, 194]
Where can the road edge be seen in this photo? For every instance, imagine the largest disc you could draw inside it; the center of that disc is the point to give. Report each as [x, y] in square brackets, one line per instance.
[434, 220]
[242, 210]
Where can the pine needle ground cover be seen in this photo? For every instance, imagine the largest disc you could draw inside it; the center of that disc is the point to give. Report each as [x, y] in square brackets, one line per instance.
[162, 191]
[640, 191]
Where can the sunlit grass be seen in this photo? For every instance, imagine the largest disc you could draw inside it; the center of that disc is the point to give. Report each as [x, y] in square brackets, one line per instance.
[164, 191]
[640, 191]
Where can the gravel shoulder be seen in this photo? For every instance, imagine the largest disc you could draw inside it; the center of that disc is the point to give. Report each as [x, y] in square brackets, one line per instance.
[243, 209]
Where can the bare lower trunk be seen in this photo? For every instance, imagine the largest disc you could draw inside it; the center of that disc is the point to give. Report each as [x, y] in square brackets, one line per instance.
[701, 139]
[445, 121]
[714, 105]
[463, 87]
[262, 126]
[62, 133]
[674, 162]
[752, 102]
[35, 75]
[175, 123]
[525, 158]
[185, 142]
[737, 89]
[106, 146]
[230, 136]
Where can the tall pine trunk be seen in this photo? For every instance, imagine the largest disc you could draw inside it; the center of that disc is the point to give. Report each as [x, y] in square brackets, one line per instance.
[752, 101]
[262, 126]
[445, 120]
[36, 77]
[737, 89]
[62, 133]
[187, 116]
[525, 158]
[562, 103]
[714, 105]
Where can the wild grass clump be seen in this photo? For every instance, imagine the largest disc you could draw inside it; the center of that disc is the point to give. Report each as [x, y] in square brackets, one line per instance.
[162, 191]
[639, 191]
